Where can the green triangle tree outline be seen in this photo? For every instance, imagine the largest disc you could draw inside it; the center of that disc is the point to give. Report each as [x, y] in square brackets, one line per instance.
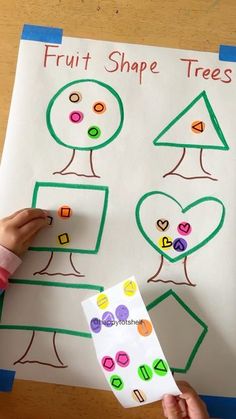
[214, 121]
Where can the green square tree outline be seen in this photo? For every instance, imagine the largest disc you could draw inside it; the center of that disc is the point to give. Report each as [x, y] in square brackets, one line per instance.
[73, 186]
[64, 285]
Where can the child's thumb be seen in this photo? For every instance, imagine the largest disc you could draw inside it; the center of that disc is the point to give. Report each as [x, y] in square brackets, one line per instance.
[171, 407]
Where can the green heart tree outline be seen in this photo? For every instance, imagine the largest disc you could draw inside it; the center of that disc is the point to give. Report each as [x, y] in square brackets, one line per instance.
[183, 210]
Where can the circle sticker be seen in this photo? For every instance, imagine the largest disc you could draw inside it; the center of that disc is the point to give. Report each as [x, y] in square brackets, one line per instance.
[108, 363]
[160, 367]
[145, 327]
[76, 117]
[102, 301]
[99, 107]
[75, 97]
[165, 242]
[180, 244]
[197, 127]
[130, 288]
[94, 132]
[108, 319]
[184, 228]
[116, 382]
[139, 395]
[162, 224]
[122, 312]
[64, 212]
[122, 359]
[145, 372]
[95, 325]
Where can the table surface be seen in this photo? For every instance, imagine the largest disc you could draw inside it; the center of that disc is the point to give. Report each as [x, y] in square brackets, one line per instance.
[187, 24]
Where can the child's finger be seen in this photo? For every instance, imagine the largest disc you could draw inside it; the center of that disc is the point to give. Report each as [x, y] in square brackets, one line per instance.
[164, 408]
[193, 401]
[9, 217]
[29, 230]
[183, 408]
[27, 215]
[171, 407]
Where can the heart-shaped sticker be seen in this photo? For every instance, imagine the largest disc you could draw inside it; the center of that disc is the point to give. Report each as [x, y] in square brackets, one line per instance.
[162, 225]
[202, 221]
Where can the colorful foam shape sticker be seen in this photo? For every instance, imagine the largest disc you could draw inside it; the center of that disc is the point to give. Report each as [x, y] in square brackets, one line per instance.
[139, 395]
[132, 379]
[160, 367]
[50, 220]
[165, 242]
[117, 382]
[145, 327]
[184, 228]
[65, 211]
[108, 319]
[94, 132]
[99, 107]
[180, 244]
[197, 127]
[75, 97]
[102, 301]
[162, 224]
[6, 380]
[76, 117]
[122, 359]
[63, 238]
[145, 372]
[130, 288]
[122, 312]
[95, 325]
[108, 363]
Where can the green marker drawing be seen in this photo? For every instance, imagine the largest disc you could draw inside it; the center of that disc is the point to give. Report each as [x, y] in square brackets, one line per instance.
[176, 255]
[196, 346]
[51, 331]
[75, 121]
[197, 133]
[58, 188]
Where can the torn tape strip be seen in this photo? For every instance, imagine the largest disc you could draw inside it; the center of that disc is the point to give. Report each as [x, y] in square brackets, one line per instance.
[6, 380]
[227, 53]
[127, 347]
[42, 34]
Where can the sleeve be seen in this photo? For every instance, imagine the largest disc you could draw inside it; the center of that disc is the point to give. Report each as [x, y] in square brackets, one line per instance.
[9, 262]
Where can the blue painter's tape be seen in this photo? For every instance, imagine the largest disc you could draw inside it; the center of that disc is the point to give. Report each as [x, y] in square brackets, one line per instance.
[227, 53]
[42, 34]
[221, 407]
[6, 380]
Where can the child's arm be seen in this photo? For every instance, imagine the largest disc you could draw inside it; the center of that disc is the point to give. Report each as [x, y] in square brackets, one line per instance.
[16, 233]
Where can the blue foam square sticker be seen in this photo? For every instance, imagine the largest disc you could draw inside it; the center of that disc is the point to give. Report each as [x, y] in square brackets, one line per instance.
[6, 380]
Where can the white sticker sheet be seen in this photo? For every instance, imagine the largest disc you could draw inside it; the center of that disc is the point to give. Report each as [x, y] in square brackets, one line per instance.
[127, 346]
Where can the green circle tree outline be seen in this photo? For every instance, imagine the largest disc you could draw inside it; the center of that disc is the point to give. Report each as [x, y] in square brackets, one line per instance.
[92, 147]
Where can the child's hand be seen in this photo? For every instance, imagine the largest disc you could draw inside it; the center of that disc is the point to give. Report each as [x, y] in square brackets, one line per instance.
[188, 405]
[18, 230]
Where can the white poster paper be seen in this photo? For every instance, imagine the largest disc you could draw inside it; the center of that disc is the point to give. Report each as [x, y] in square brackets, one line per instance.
[132, 151]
